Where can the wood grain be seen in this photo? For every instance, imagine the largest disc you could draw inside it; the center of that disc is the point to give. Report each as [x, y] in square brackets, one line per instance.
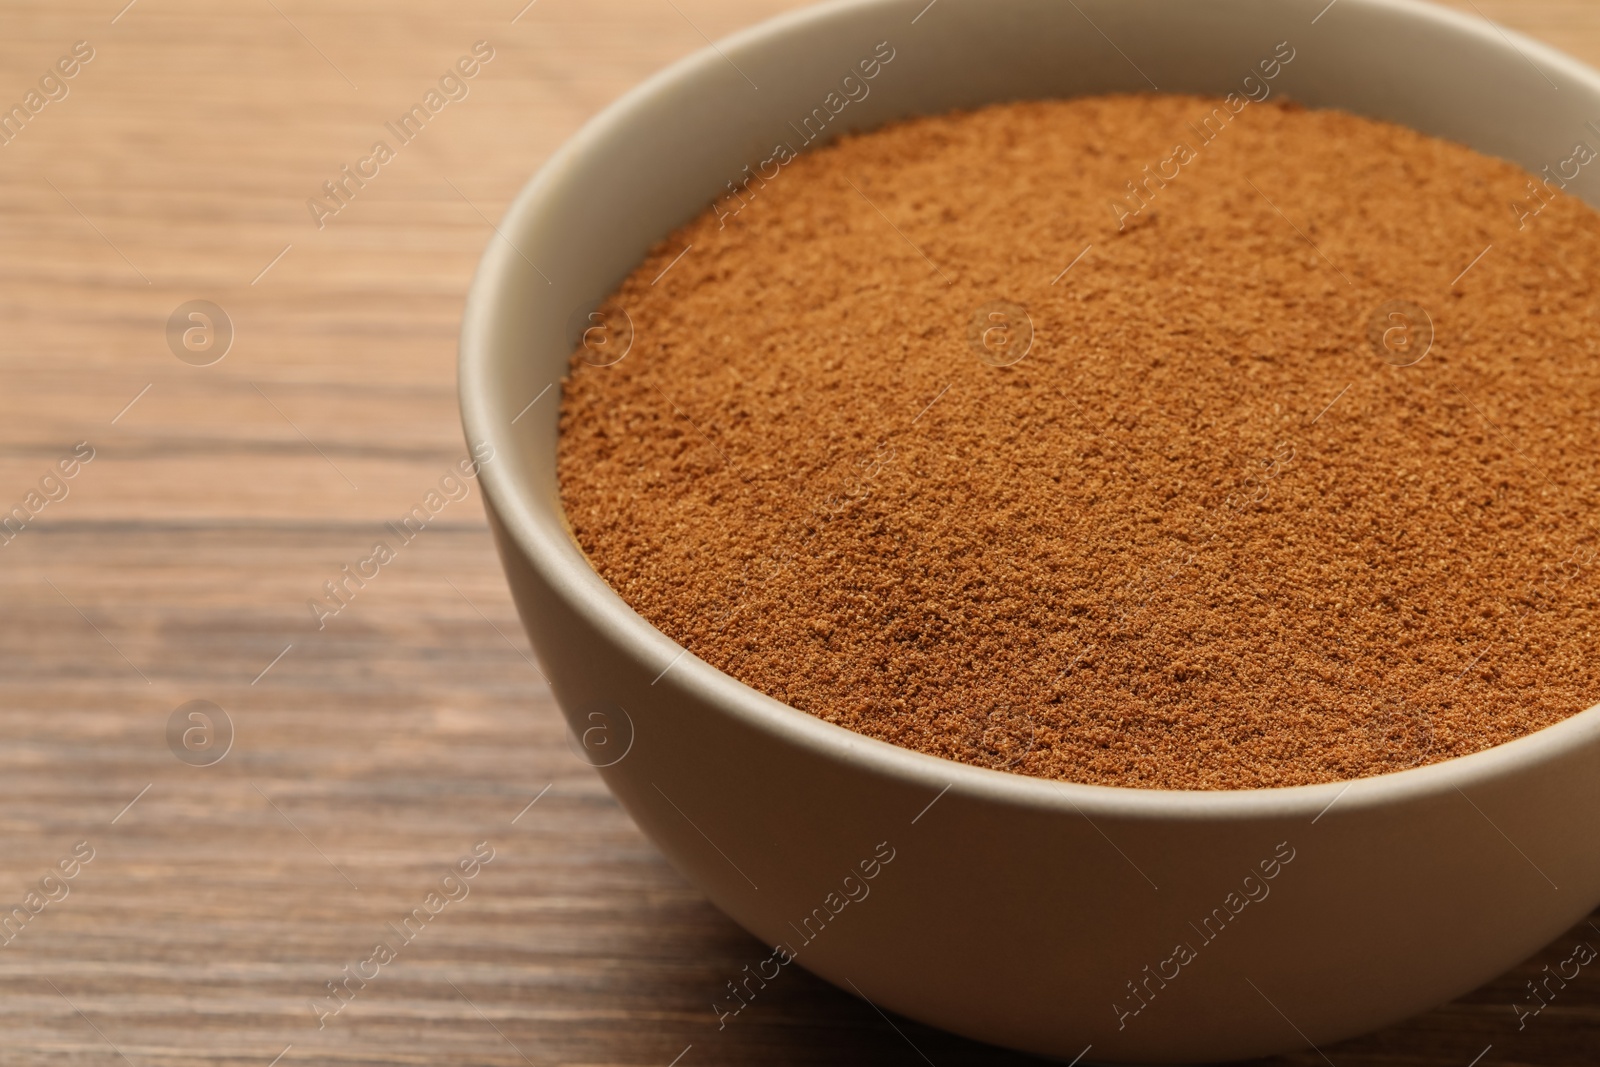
[378, 750]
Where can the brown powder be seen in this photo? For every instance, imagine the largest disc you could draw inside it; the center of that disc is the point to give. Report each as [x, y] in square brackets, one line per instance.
[1208, 533]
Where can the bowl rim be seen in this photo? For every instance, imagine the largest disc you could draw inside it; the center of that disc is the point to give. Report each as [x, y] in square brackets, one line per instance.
[540, 533]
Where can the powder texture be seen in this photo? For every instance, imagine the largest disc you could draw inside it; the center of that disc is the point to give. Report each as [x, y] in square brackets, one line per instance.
[1208, 532]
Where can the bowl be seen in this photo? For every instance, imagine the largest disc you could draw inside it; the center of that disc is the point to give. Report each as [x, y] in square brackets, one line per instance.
[1117, 925]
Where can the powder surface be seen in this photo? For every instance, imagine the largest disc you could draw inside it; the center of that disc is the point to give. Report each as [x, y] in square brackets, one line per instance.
[1208, 532]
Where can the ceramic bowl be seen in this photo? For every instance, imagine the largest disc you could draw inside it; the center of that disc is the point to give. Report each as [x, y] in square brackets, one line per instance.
[1124, 925]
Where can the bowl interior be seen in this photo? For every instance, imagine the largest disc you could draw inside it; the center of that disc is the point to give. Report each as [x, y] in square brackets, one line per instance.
[661, 154]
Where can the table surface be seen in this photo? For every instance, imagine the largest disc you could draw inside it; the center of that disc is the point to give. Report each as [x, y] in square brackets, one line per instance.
[369, 755]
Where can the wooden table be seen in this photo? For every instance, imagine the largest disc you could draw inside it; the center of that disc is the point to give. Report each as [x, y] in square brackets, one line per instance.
[369, 755]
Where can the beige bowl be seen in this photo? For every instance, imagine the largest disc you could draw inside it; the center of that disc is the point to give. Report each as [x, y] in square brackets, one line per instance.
[1139, 925]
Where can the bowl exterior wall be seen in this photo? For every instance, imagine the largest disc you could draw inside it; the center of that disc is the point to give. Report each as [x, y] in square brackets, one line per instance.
[1051, 929]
